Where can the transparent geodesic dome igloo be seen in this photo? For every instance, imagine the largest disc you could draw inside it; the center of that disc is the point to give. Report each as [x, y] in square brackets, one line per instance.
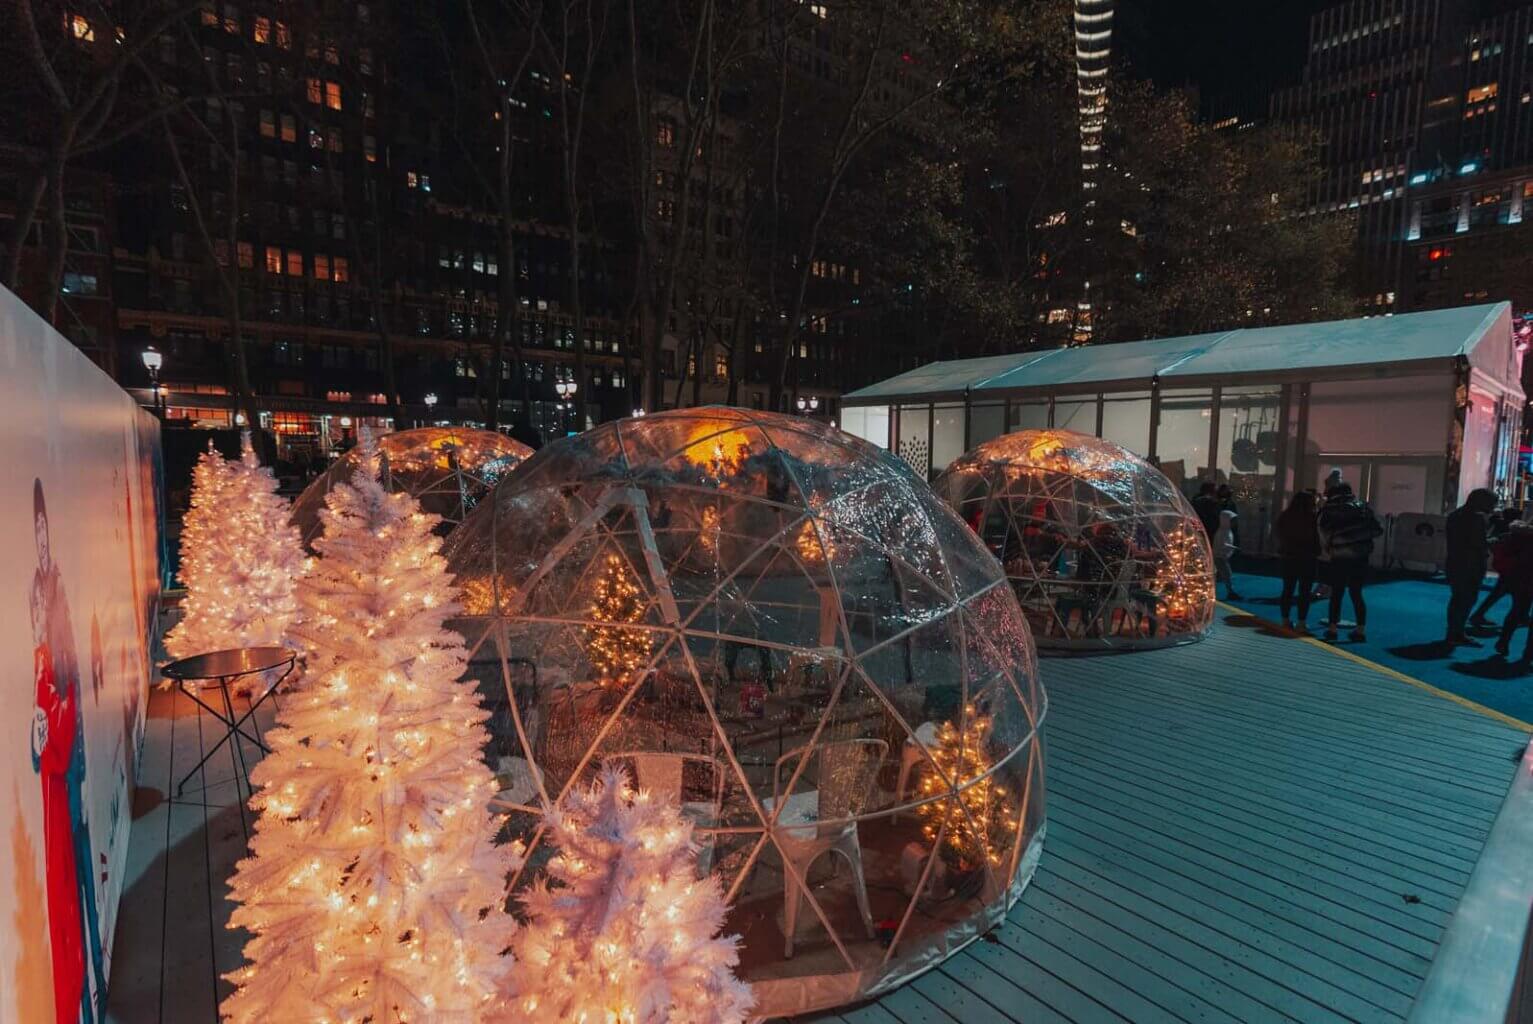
[450, 469]
[781, 627]
[1101, 548]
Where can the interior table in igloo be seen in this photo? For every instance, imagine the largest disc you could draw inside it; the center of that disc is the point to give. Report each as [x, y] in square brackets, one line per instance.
[449, 469]
[779, 626]
[1102, 549]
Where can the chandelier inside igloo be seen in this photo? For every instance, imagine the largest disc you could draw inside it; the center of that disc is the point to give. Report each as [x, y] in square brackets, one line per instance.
[1102, 549]
[450, 469]
[779, 626]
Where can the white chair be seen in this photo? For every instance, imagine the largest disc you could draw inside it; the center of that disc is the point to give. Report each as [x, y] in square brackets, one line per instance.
[663, 773]
[912, 754]
[844, 774]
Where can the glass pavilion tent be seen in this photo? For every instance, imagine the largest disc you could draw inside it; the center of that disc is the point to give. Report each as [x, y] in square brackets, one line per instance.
[1102, 550]
[1416, 410]
[781, 627]
[450, 469]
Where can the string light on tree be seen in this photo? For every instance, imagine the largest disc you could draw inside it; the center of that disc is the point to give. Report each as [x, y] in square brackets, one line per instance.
[628, 933]
[240, 558]
[1181, 580]
[614, 647]
[375, 889]
[981, 818]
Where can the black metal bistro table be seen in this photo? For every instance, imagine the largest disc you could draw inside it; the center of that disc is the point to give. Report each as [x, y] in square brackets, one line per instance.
[216, 671]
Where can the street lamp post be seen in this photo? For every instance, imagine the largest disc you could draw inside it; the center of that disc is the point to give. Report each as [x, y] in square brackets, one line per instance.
[153, 360]
[566, 388]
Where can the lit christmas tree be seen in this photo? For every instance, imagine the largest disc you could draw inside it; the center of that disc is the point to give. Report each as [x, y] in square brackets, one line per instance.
[1182, 580]
[614, 647]
[628, 935]
[375, 890]
[981, 818]
[240, 559]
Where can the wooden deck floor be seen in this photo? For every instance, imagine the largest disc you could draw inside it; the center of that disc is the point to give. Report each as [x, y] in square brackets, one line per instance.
[1249, 829]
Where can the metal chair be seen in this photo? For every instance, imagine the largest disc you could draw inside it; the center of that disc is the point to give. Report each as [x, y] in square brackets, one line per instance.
[824, 819]
[663, 773]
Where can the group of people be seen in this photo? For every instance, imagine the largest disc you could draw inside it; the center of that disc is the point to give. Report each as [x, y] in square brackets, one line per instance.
[1215, 507]
[1332, 538]
[1480, 539]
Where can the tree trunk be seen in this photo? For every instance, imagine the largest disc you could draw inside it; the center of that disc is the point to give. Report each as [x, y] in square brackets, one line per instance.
[28, 199]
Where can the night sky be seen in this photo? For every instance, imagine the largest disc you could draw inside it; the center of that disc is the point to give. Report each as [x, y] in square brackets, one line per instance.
[1234, 52]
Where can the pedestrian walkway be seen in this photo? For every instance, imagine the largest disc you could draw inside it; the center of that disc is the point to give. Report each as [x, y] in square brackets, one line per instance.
[1405, 628]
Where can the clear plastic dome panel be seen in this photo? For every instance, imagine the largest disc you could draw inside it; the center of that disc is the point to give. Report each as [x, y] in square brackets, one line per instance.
[782, 628]
[1102, 551]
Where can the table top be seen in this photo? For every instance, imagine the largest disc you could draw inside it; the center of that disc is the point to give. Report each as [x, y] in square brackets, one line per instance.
[228, 664]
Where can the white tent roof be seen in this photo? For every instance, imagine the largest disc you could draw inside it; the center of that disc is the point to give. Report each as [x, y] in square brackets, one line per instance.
[1368, 346]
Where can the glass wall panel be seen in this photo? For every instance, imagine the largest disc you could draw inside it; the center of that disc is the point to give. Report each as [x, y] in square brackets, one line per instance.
[1479, 444]
[1396, 415]
[986, 422]
[1126, 420]
[947, 434]
[1248, 456]
[869, 422]
[1181, 444]
[1028, 416]
[915, 438]
[1077, 414]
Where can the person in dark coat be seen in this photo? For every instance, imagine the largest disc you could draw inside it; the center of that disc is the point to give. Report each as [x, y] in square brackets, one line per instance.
[1514, 555]
[1299, 545]
[1468, 536]
[1206, 505]
[1348, 529]
[1500, 523]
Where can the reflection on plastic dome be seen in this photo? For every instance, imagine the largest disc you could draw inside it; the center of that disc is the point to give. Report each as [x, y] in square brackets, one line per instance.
[781, 627]
[1102, 550]
[450, 469]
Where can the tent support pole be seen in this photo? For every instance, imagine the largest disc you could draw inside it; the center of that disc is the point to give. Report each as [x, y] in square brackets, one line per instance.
[1214, 414]
[1153, 452]
[1280, 464]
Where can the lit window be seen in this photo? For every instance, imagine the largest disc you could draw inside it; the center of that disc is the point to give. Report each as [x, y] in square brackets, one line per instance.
[1055, 219]
[1059, 316]
[210, 19]
[333, 95]
[273, 260]
[231, 19]
[338, 270]
[479, 262]
[322, 266]
[720, 366]
[80, 28]
[819, 10]
[289, 128]
[316, 91]
[268, 124]
[246, 254]
[370, 148]
[332, 55]
[665, 132]
[294, 263]
[1481, 93]
[284, 36]
[262, 29]
[412, 180]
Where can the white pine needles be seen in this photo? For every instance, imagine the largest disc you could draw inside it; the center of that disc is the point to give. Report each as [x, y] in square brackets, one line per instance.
[629, 933]
[375, 890]
[240, 559]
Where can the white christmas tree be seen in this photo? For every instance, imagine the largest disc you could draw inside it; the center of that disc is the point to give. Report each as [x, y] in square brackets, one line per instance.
[375, 890]
[628, 935]
[240, 559]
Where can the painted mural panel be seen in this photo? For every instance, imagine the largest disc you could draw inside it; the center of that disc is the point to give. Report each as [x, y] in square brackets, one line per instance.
[79, 572]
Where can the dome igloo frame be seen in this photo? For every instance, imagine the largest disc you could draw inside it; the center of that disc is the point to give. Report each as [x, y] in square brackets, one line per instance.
[449, 469]
[1102, 549]
[781, 627]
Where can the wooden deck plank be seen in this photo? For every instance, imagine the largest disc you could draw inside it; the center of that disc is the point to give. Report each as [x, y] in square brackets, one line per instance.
[1234, 826]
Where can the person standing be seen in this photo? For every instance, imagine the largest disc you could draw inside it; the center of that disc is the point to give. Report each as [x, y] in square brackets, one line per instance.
[1347, 529]
[1500, 523]
[1514, 557]
[1224, 547]
[1468, 535]
[1299, 545]
[1206, 505]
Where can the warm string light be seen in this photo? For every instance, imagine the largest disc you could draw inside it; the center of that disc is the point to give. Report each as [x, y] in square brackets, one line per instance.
[614, 647]
[375, 845]
[240, 558]
[598, 952]
[981, 818]
[1182, 580]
